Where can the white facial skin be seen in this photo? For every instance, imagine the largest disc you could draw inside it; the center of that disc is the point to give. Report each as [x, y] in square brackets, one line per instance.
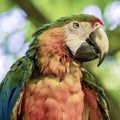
[76, 33]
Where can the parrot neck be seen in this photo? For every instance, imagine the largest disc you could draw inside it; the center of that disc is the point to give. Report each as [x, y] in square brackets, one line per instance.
[54, 58]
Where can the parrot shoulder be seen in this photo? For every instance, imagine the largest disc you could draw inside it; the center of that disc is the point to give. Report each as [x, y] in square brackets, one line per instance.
[13, 85]
[95, 93]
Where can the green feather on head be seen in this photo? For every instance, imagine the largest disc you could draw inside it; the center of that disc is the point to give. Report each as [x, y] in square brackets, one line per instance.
[64, 20]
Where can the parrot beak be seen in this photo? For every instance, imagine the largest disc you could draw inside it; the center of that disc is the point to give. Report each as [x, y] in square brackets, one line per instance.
[99, 40]
[96, 46]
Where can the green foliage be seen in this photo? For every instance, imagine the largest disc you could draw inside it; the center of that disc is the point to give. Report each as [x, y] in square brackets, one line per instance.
[54, 9]
[5, 5]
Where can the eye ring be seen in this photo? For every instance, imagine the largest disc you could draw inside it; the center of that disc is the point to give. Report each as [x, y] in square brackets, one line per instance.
[76, 25]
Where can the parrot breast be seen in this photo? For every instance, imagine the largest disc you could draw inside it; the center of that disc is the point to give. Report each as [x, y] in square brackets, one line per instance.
[52, 99]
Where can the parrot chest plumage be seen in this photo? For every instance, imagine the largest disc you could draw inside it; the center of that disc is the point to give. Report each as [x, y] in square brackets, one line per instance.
[52, 99]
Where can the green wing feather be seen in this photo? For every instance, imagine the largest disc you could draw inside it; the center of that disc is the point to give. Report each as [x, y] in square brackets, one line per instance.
[16, 80]
[13, 84]
[101, 97]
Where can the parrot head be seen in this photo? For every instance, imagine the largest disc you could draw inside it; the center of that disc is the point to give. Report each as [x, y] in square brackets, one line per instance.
[84, 37]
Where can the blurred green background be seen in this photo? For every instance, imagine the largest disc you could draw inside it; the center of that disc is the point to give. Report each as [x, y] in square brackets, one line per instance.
[19, 19]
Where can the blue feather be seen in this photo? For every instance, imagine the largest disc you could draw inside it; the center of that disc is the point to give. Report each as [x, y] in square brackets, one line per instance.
[6, 105]
[13, 99]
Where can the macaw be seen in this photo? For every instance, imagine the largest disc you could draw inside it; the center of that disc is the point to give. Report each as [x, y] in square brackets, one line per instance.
[49, 82]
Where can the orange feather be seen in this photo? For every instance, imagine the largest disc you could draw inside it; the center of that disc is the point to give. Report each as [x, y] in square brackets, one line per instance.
[54, 100]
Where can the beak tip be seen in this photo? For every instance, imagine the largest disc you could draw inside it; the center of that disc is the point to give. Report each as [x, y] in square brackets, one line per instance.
[99, 64]
[101, 58]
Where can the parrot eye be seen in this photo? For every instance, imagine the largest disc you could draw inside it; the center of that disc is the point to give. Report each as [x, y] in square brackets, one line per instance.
[97, 24]
[76, 25]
